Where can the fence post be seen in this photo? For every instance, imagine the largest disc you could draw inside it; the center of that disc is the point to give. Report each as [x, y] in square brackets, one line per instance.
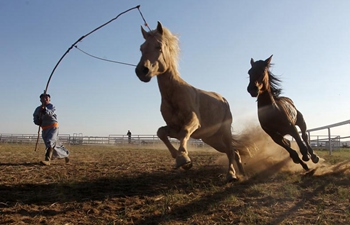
[329, 141]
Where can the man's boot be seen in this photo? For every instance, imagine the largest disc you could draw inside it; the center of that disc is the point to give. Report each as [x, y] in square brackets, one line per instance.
[48, 157]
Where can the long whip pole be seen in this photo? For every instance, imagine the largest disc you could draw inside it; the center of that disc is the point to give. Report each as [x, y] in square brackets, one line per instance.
[80, 39]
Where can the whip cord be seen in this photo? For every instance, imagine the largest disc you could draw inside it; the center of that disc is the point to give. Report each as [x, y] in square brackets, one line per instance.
[108, 60]
[84, 36]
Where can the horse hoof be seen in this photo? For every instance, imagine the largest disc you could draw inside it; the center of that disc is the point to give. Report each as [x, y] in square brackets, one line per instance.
[315, 159]
[230, 178]
[306, 158]
[310, 173]
[187, 166]
[183, 161]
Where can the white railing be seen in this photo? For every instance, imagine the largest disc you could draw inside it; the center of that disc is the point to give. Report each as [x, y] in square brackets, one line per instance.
[325, 140]
[330, 141]
[79, 139]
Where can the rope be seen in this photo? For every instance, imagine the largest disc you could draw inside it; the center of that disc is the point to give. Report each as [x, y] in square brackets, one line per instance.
[108, 60]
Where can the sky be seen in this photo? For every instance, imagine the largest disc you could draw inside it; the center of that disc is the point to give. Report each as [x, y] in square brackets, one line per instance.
[309, 41]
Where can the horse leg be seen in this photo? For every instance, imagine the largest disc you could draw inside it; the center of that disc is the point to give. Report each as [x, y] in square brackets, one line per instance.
[280, 140]
[302, 125]
[314, 157]
[239, 161]
[182, 158]
[181, 155]
[302, 147]
[163, 133]
[225, 145]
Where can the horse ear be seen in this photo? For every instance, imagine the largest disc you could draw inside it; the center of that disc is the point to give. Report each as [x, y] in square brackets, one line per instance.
[144, 33]
[268, 60]
[252, 61]
[160, 28]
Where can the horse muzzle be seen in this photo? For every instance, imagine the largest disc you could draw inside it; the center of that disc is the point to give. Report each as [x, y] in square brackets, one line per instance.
[253, 91]
[143, 73]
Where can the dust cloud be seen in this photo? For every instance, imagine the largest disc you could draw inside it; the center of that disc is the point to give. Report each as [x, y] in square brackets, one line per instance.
[262, 157]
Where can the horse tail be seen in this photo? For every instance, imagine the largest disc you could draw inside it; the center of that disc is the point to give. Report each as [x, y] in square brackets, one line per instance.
[237, 143]
[240, 145]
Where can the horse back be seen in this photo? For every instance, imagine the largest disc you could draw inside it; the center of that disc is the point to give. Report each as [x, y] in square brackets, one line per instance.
[211, 109]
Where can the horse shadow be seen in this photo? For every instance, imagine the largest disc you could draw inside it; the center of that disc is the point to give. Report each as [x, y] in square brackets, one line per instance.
[150, 184]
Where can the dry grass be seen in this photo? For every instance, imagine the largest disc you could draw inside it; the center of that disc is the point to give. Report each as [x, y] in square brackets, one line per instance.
[134, 185]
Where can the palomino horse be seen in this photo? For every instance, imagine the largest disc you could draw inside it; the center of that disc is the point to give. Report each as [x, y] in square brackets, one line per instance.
[187, 111]
[277, 115]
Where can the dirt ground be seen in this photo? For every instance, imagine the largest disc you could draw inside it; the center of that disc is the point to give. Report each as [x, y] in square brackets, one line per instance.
[137, 185]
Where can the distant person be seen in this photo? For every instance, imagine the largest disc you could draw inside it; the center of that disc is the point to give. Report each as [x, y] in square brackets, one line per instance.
[46, 117]
[129, 136]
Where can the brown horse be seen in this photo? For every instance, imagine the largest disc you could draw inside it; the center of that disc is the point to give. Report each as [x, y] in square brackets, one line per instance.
[187, 111]
[277, 115]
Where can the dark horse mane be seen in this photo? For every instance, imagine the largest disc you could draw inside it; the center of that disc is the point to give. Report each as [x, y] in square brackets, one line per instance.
[275, 84]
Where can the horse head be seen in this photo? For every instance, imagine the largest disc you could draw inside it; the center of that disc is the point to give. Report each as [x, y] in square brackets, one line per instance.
[259, 76]
[157, 53]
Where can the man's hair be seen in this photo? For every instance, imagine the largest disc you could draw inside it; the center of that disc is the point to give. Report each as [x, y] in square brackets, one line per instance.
[42, 95]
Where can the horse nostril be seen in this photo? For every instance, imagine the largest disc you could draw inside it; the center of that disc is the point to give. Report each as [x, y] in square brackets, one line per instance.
[145, 70]
[141, 70]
